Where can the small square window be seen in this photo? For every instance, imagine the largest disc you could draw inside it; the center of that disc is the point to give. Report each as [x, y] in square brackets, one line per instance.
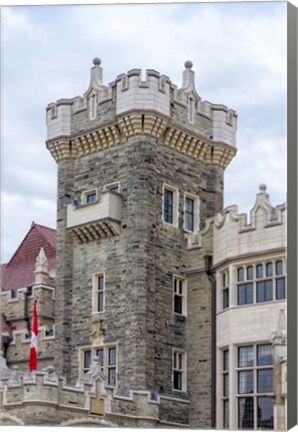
[90, 198]
[264, 355]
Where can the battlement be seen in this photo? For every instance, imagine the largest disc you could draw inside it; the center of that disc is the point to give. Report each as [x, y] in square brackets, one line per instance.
[50, 397]
[234, 235]
[102, 105]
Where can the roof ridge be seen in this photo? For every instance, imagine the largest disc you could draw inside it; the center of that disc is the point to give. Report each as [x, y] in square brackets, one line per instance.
[33, 226]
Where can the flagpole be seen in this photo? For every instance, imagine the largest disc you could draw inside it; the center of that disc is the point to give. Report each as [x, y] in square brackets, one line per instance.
[34, 340]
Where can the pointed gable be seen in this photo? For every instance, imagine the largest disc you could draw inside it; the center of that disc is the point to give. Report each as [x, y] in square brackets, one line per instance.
[19, 271]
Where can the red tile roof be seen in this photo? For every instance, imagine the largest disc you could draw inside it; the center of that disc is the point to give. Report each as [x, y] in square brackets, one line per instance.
[5, 327]
[19, 271]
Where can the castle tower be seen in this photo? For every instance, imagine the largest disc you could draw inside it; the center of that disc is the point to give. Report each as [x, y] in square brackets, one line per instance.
[140, 169]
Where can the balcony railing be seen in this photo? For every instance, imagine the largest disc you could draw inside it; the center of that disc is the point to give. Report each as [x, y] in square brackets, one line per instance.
[96, 220]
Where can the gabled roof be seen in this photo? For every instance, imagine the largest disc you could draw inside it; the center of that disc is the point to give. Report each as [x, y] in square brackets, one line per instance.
[19, 271]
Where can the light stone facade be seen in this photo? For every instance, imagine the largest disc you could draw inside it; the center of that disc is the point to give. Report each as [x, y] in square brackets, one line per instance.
[258, 322]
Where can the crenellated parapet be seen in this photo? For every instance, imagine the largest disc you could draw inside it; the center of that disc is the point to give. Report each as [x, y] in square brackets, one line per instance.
[39, 397]
[235, 235]
[107, 116]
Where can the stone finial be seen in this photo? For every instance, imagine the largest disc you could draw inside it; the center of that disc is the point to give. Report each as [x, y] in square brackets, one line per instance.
[96, 61]
[188, 81]
[263, 201]
[96, 81]
[41, 267]
[188, 64]
[41, 262]
[262, 187]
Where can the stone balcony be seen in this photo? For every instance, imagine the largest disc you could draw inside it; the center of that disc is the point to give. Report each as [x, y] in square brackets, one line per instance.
[97, 220]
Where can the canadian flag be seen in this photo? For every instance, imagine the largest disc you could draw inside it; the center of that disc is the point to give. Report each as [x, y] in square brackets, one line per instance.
[34, 340]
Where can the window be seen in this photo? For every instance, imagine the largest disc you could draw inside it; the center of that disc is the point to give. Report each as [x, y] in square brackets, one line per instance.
[113, 187]
[49, 332]
[89, 196]
[255, 387]
[179, 295]
[261, 282]
[191, 213]
[107, 356]
[225, 289]
[245, 293]
[98, 292]
[225, 393]
[112, 366]
[13, 294]
[179, 372]
[170, 205]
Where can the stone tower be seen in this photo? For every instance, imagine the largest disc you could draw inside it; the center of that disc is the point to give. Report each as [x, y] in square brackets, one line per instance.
[140, 169]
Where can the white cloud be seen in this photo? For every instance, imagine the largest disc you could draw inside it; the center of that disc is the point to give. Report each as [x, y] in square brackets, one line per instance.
[16, 23]
[239, 59]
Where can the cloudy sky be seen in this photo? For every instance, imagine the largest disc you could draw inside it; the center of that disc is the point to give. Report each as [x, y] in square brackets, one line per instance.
[239, 56]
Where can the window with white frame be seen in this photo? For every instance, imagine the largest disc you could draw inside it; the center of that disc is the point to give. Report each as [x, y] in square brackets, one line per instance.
[261, 282]
[255, 386]
[191, 213]
[113, 187]
[170, 205]
[179, 295]
[179, 370]
[89, 196]
[225, 388]
[98, 292]
[107, 356]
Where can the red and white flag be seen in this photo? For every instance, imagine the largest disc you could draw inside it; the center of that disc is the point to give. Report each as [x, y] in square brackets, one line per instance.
[34, 340]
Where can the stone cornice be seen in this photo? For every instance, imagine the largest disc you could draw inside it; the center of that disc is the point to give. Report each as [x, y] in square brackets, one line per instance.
[144, 123]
